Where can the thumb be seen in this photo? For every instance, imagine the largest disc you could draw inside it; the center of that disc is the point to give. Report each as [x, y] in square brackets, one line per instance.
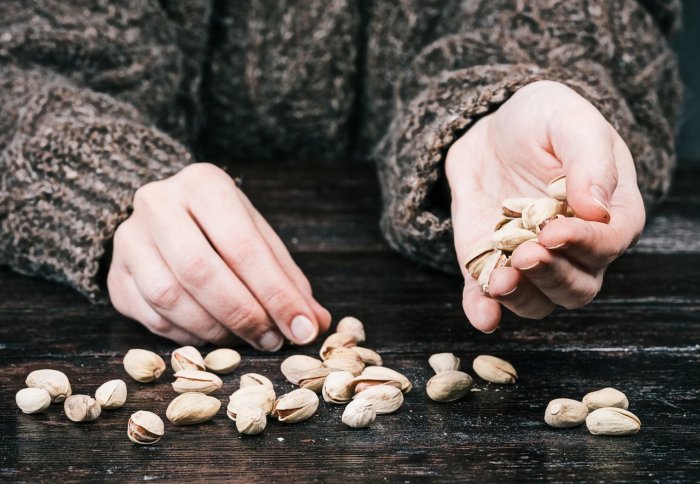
[586, 151]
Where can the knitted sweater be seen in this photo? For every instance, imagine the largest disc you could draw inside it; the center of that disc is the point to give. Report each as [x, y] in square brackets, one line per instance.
[98, 97]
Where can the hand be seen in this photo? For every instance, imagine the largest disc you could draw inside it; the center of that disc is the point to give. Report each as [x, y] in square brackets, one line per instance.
[196, 262]
[544, 130]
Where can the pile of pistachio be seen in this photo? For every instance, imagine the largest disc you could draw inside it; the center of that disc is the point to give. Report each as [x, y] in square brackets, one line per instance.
[349, 374]
[604, 411]
[523, 219]
[450, 384]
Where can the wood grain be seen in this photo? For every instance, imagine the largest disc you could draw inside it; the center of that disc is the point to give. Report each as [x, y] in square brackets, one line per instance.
[641, 335]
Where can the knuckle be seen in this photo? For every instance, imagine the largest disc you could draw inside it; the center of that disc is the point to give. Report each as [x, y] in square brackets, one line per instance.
[164, 295]
[157, 324]
[242, 318]
[144, 194]
[278, 297]
[196, 270]
[244, 251]
[121, 234]
[198, 170]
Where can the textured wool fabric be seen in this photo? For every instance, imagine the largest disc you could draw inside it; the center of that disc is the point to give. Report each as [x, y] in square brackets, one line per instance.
[100, 97]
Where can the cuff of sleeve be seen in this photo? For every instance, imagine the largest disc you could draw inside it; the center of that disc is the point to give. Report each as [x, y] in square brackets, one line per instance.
[412, 153]
[72, 184]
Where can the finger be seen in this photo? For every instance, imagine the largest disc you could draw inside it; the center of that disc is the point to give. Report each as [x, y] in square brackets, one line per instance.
[560, 281]
[512, 289]
[199, 269]
[592, 245]
[127, 299]
[164, 293]
[230, 229]
[287, 263]
[482, 312]
[586, 150]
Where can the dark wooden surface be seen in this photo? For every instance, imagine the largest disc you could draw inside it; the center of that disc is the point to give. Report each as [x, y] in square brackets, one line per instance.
[641, 335]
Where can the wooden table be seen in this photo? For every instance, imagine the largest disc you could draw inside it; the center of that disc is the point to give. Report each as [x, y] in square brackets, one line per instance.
[641, 335]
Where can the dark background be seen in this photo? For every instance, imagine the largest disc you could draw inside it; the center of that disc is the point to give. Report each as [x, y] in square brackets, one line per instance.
[687, 44]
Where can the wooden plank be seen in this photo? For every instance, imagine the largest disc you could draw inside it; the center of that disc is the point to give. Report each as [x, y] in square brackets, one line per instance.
[496, 433]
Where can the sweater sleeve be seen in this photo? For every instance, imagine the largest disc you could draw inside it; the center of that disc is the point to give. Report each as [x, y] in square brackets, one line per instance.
[614, 53]
[82, 87]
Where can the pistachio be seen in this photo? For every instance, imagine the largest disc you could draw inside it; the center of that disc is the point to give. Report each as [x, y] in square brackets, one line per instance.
[557, 188]
[514, 223]
[543, 223]
[81, 408]
[359, 414]
[378, 375]
[369, 357]
[494, 370]
[255, 379]
[448, 386]
[494, 260]
[476, 258]
[251, 420]
[296, 365]
[33, 400]
[313, 379]
[565, 412]
[338, 387]
[295, 406]
[385, 398]
[513, 207]
[259, 396]
[344, 359]
[192, 408]
[187, 358]
[111, 395]
[196, 381]
[53, 381]
[336, 340]
[353, 327]
[508, 238]
[145, 428]
[222, 361]
[143, 365]
[542, 209]
[612, 421]
[443, 362]
[607, 397]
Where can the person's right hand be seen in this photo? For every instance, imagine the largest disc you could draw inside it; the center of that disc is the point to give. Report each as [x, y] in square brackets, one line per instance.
[196, 262]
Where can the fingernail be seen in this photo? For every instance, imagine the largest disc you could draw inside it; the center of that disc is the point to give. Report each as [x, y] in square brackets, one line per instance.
[532, 266]
[600, 198]
[563, 245]
[303, 329]
[492, 331]
[271, 341]
[509, 292]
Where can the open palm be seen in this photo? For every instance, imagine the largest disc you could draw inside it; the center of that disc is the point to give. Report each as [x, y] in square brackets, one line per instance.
[544, 130]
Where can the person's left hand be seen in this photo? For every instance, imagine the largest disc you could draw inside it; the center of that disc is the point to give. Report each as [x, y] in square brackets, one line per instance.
[544, 130]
